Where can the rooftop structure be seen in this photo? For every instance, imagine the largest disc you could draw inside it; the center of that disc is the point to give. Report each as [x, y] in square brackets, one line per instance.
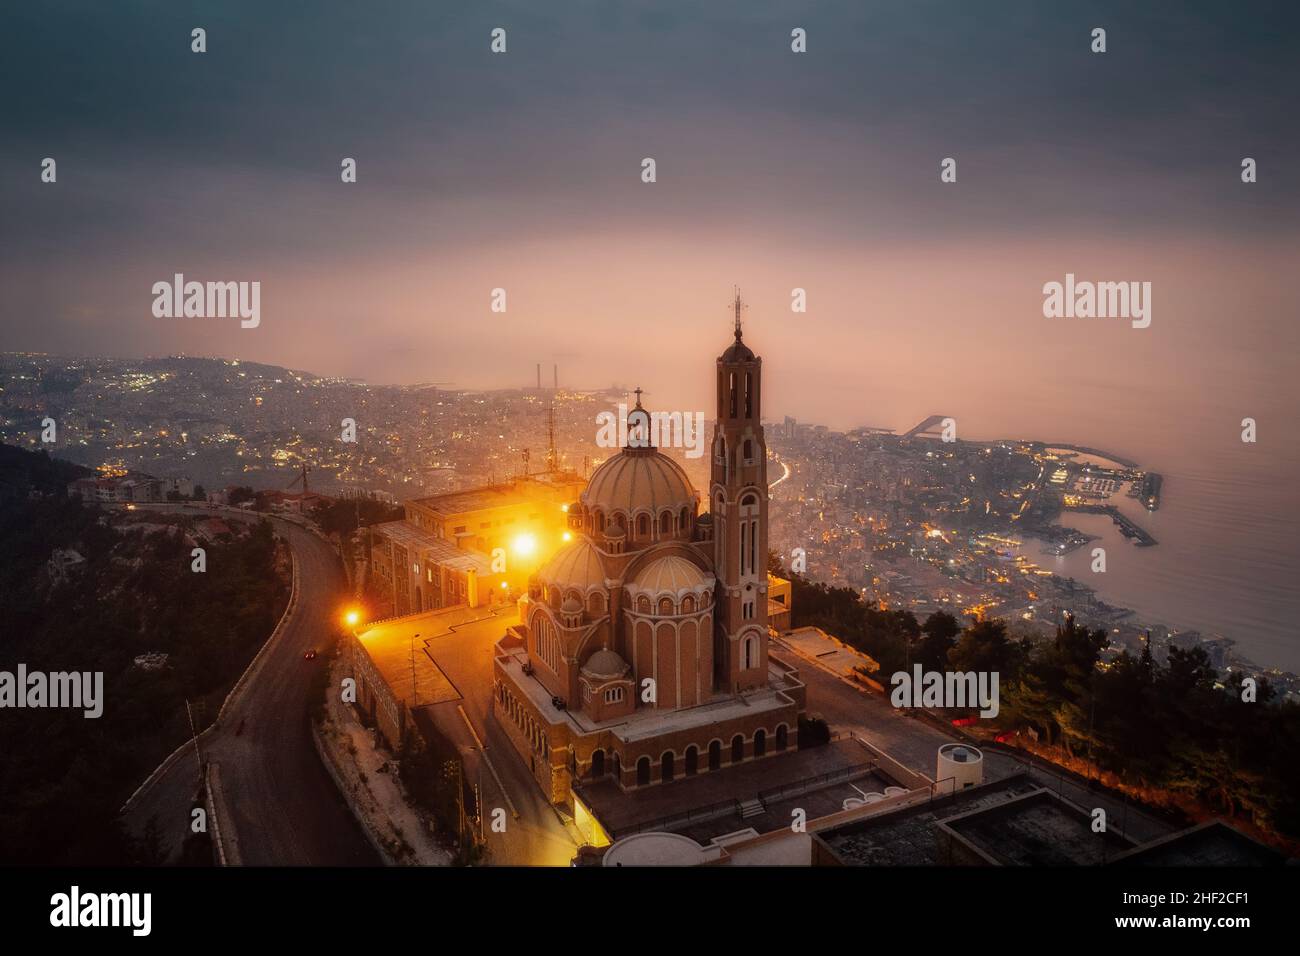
[1212, 843]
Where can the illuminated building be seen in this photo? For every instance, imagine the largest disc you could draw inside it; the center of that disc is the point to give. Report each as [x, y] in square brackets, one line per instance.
[641, 656]
[460, 548]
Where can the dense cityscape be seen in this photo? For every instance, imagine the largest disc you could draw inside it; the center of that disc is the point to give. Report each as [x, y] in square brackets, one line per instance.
[906, 519]
[656, 437]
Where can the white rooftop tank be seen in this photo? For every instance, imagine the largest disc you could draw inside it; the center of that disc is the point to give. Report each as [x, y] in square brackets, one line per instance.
[963, 763]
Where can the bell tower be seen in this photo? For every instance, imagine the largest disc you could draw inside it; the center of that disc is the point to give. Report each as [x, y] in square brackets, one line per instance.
[738, 503]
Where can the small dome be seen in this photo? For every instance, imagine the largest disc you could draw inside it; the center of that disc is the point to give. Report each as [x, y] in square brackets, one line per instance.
[639, 479]
[576, 565]
[738, 351]
[571, 605]
[605, 664]
[672, 574]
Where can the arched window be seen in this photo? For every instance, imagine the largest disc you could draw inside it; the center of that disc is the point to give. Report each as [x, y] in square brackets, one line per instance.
[643, 526]
[782, 737]
[760, 742]
[688, 605]
[596, 603]
[731, 388]
[665, 605]
[749, 394]
[749, 451]
[642, 771]
[692, 760]
[643, 605]
[749, 652]
[715, 755]
[737, 748]
[597, 764]
[749, 534]
[666, 766]
[546, 643]
[600, 520]
[666, 523]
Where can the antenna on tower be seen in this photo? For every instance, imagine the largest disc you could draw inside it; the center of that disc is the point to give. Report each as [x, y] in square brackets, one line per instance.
[739, 305]
[550, 437]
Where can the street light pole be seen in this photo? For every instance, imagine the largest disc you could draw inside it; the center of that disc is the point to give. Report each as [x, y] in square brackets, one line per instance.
[195, 734]
[414, 698]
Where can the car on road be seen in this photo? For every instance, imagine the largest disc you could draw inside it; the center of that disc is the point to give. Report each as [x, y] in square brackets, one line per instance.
[310, 655]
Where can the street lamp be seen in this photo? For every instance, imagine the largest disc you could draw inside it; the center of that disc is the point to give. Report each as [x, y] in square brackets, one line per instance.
[414, 698]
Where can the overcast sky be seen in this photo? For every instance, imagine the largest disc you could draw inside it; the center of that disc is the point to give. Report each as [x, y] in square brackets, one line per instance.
[775, 170]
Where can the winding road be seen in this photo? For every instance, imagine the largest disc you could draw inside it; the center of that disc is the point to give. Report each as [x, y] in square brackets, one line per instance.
[280, 805]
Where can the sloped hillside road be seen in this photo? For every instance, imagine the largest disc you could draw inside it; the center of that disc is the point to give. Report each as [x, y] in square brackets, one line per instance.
[277, 805]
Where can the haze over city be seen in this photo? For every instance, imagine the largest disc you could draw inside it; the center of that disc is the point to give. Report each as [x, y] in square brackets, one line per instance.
[645, 433]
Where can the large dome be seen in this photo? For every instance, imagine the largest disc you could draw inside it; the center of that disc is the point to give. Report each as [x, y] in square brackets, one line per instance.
[639, 479]
[576, 565]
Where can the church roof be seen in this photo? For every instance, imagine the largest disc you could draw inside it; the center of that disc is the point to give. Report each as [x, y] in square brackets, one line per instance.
[737, 352]
[639, 479]
[576, 565]
[670, 573]
[605, 663]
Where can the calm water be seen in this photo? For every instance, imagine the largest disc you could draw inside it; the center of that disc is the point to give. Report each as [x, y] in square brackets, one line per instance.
[1228, 558]
[1228, 527]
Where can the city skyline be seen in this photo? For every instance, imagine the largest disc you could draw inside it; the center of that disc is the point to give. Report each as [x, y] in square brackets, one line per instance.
[837, 435]
[361, 279]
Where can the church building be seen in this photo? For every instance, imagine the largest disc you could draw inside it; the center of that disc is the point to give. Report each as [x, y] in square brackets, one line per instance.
[641, 656]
